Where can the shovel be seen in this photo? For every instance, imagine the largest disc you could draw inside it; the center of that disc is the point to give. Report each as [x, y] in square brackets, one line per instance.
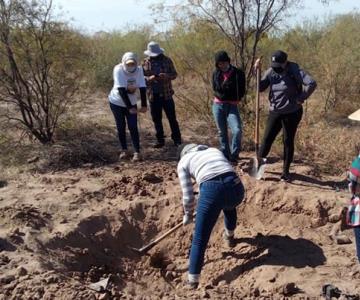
[147, 247]
[254, 163]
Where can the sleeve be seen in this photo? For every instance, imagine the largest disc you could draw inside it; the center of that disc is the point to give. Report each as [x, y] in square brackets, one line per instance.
[309, 86]
[141, 78]
[124, 95]
[143, 97]
[265, 81]
[172, 74]
[354, 176]
[187, 189]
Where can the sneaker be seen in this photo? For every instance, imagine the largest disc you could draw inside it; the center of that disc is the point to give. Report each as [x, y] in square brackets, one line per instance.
[285, 177]
[261, 168]
[136, 157]
[229, 240]
[159, 144]
[191, 285]
[123, 154]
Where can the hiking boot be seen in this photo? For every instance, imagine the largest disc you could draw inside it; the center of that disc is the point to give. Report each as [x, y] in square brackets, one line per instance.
[136, 157]
[123, 154]
[285, 177]
[229, 240]
[159, 144]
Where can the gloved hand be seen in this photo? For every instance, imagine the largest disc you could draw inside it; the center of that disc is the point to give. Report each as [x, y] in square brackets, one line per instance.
[187, 219]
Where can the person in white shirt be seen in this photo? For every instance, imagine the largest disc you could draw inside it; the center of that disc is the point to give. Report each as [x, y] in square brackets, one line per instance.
[128, 77]
[220, 190]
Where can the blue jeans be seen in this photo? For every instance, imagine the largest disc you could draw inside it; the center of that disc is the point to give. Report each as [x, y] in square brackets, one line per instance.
[222, 193]
[228, 115]
[357, 241]
[168, 105]
[123, 116]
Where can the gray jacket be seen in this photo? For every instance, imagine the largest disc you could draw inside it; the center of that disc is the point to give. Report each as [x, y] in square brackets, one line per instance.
[287, 89]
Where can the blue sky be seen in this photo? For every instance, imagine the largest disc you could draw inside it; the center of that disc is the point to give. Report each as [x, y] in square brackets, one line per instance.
[95, 15]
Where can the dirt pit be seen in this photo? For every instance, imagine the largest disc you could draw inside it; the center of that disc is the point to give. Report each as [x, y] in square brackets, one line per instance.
[63, 231]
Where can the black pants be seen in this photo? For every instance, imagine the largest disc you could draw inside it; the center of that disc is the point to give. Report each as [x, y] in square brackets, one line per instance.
[157, 106]
[289, 123]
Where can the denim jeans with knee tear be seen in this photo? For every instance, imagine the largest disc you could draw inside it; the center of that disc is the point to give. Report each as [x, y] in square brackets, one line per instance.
[222, 193]
[227, 115]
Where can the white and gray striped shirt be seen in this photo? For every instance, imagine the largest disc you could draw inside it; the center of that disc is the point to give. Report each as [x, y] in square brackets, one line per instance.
[200, 165]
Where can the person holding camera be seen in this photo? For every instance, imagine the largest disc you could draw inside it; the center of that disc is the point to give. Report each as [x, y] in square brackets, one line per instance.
[159, 71]
[128, 77]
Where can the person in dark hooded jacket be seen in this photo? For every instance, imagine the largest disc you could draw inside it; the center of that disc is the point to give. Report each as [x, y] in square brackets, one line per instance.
[228, 84]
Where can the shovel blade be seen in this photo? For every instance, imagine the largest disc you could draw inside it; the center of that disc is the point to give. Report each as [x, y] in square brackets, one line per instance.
[257, 171]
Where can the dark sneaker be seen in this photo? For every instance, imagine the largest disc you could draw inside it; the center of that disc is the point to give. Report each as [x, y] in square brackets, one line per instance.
[285, 177]
[229, 240]
[159, 144]
[177, 144]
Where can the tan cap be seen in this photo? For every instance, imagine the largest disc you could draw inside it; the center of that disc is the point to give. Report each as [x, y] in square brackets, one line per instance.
[355, 115]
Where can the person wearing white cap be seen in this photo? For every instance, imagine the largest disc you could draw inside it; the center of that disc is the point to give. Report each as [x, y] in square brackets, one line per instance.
[128, 77]
[159, 71]
[221, 190]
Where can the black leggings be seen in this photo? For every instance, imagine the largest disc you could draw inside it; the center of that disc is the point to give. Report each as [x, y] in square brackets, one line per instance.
[289, 123]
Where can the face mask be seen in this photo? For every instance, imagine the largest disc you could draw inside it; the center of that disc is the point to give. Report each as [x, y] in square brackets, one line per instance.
[278, 70]
[131, 69]
[225, 68]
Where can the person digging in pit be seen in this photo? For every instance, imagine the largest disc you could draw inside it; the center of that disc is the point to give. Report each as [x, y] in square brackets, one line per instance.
[220, 190]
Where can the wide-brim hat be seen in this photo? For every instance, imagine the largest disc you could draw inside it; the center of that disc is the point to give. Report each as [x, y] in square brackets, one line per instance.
[153, 49]
[355, 115]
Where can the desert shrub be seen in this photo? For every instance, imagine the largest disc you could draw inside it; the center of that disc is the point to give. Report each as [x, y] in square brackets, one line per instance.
[40, 66]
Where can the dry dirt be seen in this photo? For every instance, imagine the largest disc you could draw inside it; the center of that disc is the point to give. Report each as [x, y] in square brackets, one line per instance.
[61, 231]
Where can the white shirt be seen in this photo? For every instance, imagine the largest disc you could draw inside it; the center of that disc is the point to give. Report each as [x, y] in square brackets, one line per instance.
[123, 79]
[201, 165]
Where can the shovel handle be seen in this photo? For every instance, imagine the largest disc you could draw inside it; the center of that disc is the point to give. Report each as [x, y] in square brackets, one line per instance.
[257, 109]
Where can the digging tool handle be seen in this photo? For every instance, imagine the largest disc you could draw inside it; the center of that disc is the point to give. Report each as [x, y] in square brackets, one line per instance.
[160, 238]
[257, 110]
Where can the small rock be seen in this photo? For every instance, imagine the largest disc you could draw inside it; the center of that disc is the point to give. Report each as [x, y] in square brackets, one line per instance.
[134, 190]
[143, 193]
[169, 276]
[289, 289]
[33, 159]
[21, 271]
[256, 292]
[342, 239]
[205, 295]
[272, 280]
[171, 267]
[334, 218]
[7, 279]
[104, 296]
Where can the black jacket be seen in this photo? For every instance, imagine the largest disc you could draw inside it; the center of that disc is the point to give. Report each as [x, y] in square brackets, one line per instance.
[232, 89]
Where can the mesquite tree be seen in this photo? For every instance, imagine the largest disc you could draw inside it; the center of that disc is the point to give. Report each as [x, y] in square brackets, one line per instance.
[39, 66]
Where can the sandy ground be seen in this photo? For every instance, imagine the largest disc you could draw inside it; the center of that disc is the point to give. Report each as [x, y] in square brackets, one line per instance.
[61, 231]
